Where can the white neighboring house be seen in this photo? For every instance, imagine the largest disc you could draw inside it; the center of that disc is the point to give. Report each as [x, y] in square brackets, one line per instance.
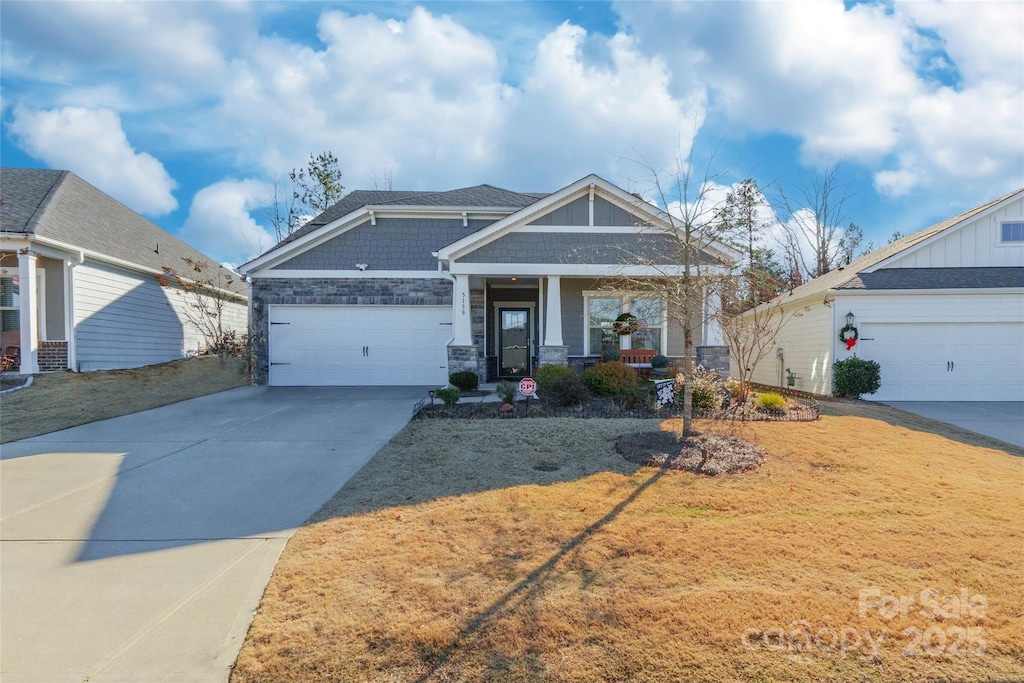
[94, 302]
[942, 312]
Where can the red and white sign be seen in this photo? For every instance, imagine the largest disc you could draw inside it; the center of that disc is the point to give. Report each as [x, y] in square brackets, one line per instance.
[527, 387]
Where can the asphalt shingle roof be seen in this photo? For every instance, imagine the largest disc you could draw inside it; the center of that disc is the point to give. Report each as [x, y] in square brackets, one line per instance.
[839, 278]
[478, 195]
[63, 207]
[938, 278]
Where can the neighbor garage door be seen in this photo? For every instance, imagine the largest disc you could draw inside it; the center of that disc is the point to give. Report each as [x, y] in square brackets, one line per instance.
[946, 362]
[359, 345]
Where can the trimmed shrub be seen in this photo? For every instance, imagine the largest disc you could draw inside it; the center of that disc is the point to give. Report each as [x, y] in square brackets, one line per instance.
[855, 376]
[659, 362]
[639, 393]
[609, 379]
[450, 396]
[770, 403]
[546, 374]
[506, 391]
[610, 356]
[567, 390]
[464, 380]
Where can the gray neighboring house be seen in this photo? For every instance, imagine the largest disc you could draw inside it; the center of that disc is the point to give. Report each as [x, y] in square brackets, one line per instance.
[401, 287]
[941, 311]
[94, 301]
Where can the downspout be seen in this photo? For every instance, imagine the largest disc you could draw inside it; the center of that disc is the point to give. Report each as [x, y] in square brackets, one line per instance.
[70, 330]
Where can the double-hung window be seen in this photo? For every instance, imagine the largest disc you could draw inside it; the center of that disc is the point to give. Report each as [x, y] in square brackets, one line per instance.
[602, 310]
[10, 304]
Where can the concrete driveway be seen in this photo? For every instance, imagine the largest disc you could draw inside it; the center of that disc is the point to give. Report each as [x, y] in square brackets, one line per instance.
[1003, 420]
[137, 549]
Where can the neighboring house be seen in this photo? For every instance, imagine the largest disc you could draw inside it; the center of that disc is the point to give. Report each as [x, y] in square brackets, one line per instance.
[942, 312]
[393, 287]
[78, 287]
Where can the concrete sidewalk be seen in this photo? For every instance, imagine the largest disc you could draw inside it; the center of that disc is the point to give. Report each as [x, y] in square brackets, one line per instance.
[137, 549]
[1003, 420]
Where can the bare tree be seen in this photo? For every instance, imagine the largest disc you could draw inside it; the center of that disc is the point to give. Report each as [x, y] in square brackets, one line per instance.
[280, 207]
[206, 293]
[308, 192]
[386, 181]
[817, 210]
[675, 254]
[751, 335]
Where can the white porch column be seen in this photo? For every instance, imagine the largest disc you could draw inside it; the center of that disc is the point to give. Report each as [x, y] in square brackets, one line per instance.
[461, 314]
[712, 326]
[553, 312]
[29, 318]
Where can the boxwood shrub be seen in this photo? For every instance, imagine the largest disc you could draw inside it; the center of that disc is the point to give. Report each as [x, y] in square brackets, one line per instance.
[855, 376]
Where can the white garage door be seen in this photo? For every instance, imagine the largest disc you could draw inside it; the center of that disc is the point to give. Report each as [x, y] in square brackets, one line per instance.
[946, 362]
[359, 345]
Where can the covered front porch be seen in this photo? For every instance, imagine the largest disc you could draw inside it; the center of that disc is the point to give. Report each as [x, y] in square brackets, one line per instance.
[34, 315]
[505, 325]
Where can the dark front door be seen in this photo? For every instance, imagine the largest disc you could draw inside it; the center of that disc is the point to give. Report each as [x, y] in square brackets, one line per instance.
[514, 342]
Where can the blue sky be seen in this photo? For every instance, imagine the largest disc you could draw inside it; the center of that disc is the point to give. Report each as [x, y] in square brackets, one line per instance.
[184, 110]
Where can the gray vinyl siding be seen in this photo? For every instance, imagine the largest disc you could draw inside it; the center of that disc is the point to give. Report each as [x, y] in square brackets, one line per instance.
[574, 319]
[391, 244]
[606, 213]
[125, 319]
[576, 212]
[574, 247]
[54, 297]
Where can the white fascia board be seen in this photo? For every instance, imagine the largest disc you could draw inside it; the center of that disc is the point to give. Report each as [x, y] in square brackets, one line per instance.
[321, 234]
[349, 274]
[586, 229]
[941, 234]
[961, 291]
[582, 269]
[403, 210]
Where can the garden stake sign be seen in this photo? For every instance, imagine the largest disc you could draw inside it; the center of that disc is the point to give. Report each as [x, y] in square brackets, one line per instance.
[848, 335]
[527, 386]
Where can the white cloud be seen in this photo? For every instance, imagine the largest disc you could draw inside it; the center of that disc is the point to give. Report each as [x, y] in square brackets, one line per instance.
[220, 224]
[92, 144]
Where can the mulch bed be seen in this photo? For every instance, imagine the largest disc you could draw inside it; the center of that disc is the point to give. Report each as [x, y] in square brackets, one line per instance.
[702, 453]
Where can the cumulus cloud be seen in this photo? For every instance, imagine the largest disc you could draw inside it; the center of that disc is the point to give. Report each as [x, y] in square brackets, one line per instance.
[92, 143]
[220, 221]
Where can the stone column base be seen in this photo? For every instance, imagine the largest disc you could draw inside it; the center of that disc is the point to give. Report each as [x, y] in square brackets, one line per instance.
[466, 358]
[552, 355]
[714, 358]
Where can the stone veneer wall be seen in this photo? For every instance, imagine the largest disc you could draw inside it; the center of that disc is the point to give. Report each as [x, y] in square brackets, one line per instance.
[52, 356]
[333, 292]
[714, 358]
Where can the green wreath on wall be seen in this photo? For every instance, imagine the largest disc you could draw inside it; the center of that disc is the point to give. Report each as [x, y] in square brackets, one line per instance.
[848, 335]
[625, 324]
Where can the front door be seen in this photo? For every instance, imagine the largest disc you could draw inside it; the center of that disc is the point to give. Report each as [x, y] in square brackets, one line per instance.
[514, 342]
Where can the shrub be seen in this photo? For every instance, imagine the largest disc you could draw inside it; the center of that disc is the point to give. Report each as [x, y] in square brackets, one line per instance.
[567, 390]
[450, 395]
[609, 379]
[610, 356]
[855, 376]
[464, 380]
[705, 388]
[639, 393]
[735, 388]
[546, 374]
[770, 403]
[506, 391]
[659, 362]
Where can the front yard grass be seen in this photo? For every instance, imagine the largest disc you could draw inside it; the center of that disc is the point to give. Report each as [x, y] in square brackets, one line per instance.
[61, 400]
[528, 550]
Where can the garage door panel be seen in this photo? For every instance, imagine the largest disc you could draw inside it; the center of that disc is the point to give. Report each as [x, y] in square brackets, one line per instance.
[946, 362]
[324, 345]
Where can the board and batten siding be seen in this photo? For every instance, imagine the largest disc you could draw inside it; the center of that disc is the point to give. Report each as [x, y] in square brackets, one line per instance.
[976, 243]
[125, 319]
[805, 348]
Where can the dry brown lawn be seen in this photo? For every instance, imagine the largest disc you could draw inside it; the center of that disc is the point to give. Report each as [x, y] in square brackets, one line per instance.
[452, 557]
[67, 399]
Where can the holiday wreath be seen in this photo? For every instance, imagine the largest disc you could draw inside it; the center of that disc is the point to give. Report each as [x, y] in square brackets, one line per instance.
[848, 335]
[625, 324]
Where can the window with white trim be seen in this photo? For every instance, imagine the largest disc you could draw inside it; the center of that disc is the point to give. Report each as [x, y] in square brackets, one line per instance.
[10, 304]
[602, 309]
[1011, 231]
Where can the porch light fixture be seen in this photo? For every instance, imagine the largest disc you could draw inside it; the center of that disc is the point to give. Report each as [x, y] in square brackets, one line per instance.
[849, 318]
[514, 279]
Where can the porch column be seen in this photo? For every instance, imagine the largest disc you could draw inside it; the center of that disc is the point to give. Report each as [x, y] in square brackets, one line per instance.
[712, 326]
[461, 314]
[553, 312]
[29, 319]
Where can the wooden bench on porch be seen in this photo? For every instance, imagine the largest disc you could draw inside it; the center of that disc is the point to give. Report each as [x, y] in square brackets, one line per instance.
[639, 360]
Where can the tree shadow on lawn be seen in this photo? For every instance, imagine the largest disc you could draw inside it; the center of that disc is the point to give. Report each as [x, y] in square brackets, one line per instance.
[435, 459]
[917, 423]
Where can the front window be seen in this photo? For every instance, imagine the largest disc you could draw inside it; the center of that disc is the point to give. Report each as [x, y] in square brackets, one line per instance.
[10, 305]
[601, 313]
[1013, 231]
